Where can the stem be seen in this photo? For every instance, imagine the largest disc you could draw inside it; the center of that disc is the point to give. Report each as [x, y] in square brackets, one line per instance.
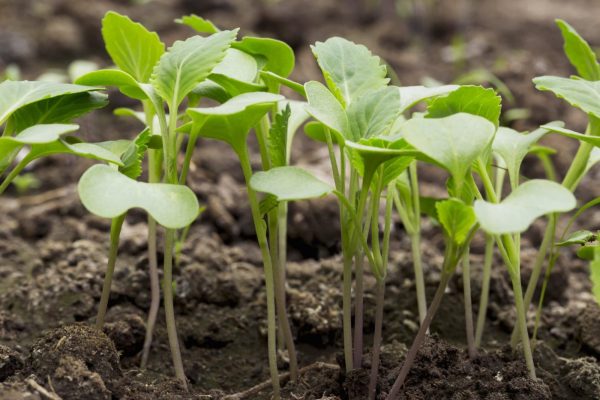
[13, 174]
[522, 322]
[379, 296]
[485, 288]
[268, 271]
[347, 311]
[115, 231]
[421, 334]
[468, 306]
[359, 262]
[538, 312]
[415, 239]
[189, 151]
[154, 291]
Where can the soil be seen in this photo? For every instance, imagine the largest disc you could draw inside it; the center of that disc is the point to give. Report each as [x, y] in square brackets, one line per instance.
[53, 253]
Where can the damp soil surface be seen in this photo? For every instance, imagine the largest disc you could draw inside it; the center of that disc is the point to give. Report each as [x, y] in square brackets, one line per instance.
[53, 253]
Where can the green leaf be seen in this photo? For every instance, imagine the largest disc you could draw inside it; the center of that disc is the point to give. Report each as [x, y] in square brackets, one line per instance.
[513, 146]
[35, 135]
[374, 113]
[595, 275]
[593, 140]
[187, 63]
[114, 77]
[325, 108]
[587, 252]
[577, 237]
[350, 69]
[16, 94]
[474, 100]
[456, 218]
[289, 183]
[519, 209]
[236, 73]
[134, 155]
[131, 46]
[273, 55]
[232, 120]
[579, 52]
[411, 95]
[107, 193]
[278, 135]
[267, 204]
[61, 109]
[298, 116]
[198, 24]
[580, 93]
[369, 154]
[453, 142]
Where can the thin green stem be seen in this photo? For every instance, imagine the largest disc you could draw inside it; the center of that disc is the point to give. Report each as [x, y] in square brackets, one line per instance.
[522, 322]
[485, 288]
[115, 231]
[189, 152]
[13, 174]
[377, 337]
[466, 267]
[415, 239]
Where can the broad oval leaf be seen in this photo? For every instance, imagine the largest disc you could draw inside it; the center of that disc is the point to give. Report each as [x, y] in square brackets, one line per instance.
[289, 183]
[107, 193]
[131, 46]
[411, 95]
[187, 63]
[16, 94]
[519, 209]
[453, 142]
[468, 99]
[579, 52]
[350, 69]
[457, 219]
[325, 108]
[580, 93]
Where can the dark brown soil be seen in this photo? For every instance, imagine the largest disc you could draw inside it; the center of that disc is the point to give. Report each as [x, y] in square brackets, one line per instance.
[53, 254]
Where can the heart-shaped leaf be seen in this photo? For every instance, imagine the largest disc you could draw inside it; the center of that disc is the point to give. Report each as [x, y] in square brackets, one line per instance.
[411, 95]
[468, 99]
[453, 142]
[457, 219]
[187, 63]
[131, 46]
[289, 183]
[580, 93]
[519, 209]
[325, 108]
[579, 52]
[107, 193]
[350, 69]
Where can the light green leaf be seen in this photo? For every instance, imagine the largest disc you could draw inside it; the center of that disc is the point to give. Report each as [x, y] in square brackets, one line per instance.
[35, 135]
[289, 183]
[16, 94]
[198, 24]
[579, 52]
[325, 108]
[297, 117]
[457, 219]
[107, 193]
[187, 63]
[519, 209]
[411, 95]
[232, 120]
[580, 93]
[278, 135]
[273, 55]
[350, 69]
[513, 146]
[131, 46]
[593, 140]
[577, 237]
[236, 73]
[453, 142]
[374, 113]
[114, 77]
[468, 99]
[61, 109]
[587, 252]
[134, 155]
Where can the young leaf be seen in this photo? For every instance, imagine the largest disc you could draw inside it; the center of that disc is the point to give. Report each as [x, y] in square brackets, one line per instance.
[374, 113]
[232, 120]
[580, 93]
[114, 77]
[456, 218]
[278, 135]
[325, 108]
[350, 69]
[587, 252]
[16, 94]
[274, 55]
[593, 140]
[411, 95]
[368, 154]
[35, 135]
[298, 116]
[61, 109]
[468, 99]
[198, 24]
[453, 142]
[134, 155]
[236, 73]
[131, 46]
[579, 52]
[577, 237]
[289, 183]
[519, 209]
[187, 63]
[107, 193]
